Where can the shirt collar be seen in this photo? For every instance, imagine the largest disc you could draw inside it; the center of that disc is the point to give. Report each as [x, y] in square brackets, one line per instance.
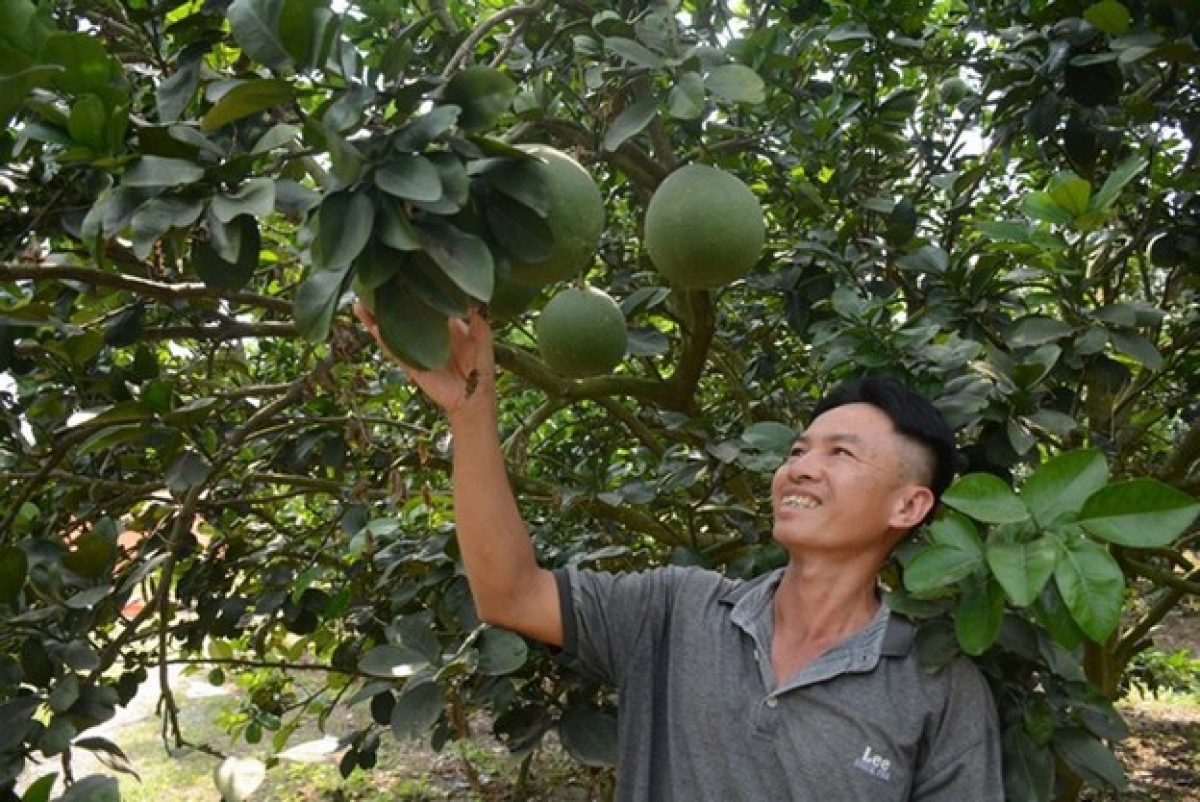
[888, 635]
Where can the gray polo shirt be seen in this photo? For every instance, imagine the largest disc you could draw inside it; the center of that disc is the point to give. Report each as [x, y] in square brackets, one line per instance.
[701, 718]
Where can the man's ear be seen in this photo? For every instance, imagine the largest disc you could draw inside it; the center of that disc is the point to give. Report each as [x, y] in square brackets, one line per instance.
[911, 507]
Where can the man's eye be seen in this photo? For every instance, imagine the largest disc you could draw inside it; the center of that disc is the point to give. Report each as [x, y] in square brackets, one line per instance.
[838, 451]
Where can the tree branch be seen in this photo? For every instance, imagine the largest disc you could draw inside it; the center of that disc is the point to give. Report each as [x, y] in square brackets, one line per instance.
[158, 290]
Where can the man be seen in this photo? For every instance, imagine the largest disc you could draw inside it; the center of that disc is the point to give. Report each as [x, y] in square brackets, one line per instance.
[799, 685]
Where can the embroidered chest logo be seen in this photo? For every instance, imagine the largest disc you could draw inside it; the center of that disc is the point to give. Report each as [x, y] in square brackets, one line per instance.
[874, 764]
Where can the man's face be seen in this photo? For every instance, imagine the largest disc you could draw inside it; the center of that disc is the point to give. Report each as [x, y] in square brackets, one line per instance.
[849, 485]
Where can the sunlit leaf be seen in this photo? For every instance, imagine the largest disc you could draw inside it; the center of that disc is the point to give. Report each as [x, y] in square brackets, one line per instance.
[630, 122]
[1141, 513]
[255, 25]
[1061, 485]
[1022, 569]
[1092, 586]
[986, 498]
[247, 97]
[736, 83]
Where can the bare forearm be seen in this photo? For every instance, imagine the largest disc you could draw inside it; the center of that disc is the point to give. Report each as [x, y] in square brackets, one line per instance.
[509, 587]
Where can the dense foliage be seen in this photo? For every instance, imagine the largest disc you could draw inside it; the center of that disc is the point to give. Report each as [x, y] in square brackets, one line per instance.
[205, 461]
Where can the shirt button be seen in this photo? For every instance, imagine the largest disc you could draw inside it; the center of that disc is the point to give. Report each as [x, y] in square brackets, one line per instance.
[772, 702]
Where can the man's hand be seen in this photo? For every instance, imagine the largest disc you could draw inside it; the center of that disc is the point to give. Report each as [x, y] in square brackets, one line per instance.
[470, 374]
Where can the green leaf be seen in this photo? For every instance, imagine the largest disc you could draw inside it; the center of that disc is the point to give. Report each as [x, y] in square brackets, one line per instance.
[299, 27]
[1070, 192]
[218, 272]
[158, 216]
[410, 177]
[1092, 586]
[1028, 767]
[22, 35]
[1109, 16]
[589, 735]
[1124, 172]
[630, 122]
[255, 26]
[246, 98]
[393, 226]
[632, 51]
[500, 652]
[769, 437]
[317, 300]
[736, 83]
[14, 568]
[412, 330]
[420, 705]
[40, 789]
[93, 788]
[344, 226]
[256, 198]
[1022, 569]
[87, 65]
[1037, 330]
[1137, 348]
[1060, 486]
[986, 498]
[977, 617]
[91, 555]
[519, 181]
[186, 472]
[1088, 758]
[88, 121]
[955, 553]
[392, 660]
[156, 171]
[1041, 206]
[173, 94]
[1140, 513]
[277, 137]
[685, 101]
[463, 257]
[1051, 612]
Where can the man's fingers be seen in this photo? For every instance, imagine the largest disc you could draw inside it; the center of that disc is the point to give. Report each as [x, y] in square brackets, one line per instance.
[365, 317]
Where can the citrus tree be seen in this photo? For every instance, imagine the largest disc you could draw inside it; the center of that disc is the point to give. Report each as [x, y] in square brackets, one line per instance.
[206, 462]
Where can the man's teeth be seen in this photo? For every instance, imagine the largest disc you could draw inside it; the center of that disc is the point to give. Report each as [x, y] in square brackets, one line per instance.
[792, 502]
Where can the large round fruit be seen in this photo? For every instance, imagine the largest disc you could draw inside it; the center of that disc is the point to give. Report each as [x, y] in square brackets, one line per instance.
[581, 333]
[704, 227]
[483, 94]
[575, 218]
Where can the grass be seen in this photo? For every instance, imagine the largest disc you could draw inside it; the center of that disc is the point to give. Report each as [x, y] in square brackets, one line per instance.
[405, 771]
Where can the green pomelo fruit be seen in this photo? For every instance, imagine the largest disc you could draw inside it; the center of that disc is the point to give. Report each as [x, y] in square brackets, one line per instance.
[484, 94]
[510, 299]
[581, 333]
[575, 217]
[704, 227]
[1164, 250]
[952, 90]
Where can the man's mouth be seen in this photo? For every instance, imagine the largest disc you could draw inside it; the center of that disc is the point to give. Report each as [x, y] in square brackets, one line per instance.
[793, 502]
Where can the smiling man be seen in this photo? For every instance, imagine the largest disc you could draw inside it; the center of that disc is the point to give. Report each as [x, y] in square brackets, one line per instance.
[798, 685]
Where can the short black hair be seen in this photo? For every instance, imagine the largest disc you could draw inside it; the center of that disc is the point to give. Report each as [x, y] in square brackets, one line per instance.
[912, 415]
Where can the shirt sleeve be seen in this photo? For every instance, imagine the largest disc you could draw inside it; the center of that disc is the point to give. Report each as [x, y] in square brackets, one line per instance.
[611, 621]
[963, 760]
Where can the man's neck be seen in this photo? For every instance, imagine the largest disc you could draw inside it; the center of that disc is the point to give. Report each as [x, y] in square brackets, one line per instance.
[817, 606]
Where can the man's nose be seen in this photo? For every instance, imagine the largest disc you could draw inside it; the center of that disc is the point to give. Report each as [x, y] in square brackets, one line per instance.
[801, 466]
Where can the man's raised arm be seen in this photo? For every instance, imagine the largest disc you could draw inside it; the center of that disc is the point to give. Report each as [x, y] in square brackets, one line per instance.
[510, 589]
